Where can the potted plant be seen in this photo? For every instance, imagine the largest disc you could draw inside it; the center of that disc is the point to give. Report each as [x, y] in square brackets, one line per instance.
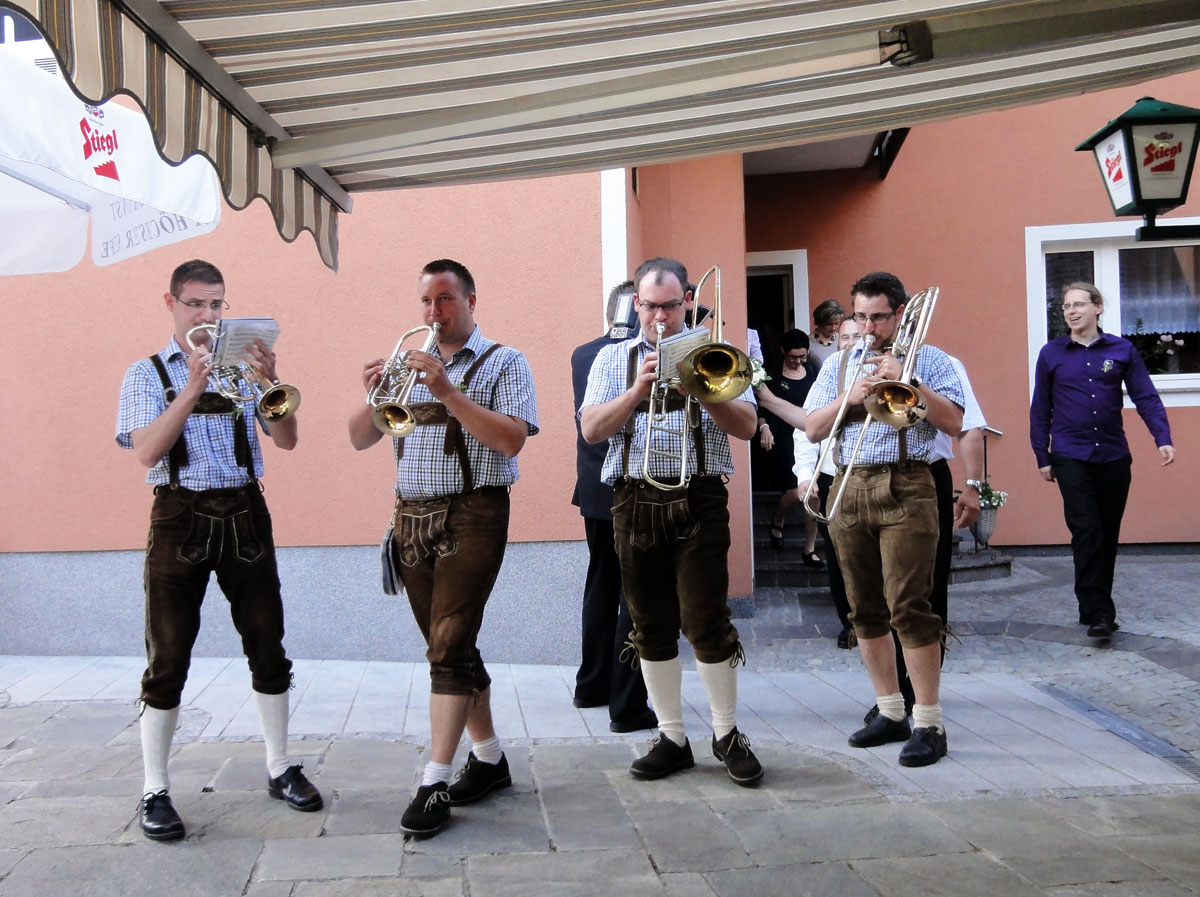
[990, 501]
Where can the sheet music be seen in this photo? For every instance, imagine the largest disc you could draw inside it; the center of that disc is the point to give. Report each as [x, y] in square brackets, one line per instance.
[237, 334]
[673, 349]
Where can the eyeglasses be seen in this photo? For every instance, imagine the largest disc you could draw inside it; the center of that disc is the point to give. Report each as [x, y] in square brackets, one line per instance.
[664, 306]
[877, 318]
[1069, 306]
[215, 305]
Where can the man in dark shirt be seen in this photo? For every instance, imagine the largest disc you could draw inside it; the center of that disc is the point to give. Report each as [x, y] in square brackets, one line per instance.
[602, 677]
[1078, 438]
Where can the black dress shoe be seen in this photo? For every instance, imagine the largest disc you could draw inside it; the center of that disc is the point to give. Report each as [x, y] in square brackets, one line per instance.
[1102, 630]
[159, 820]
[296, 789]
[664, 758]
[925, 748]
[643, 720]
[429, 811]
[478, 779]
[880, 730]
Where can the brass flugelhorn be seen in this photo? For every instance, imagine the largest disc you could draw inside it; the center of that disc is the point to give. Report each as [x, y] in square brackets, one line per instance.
[273, 400]
[389, 398]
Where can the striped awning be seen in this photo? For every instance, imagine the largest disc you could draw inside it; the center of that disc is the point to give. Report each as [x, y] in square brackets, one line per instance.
[304, 102]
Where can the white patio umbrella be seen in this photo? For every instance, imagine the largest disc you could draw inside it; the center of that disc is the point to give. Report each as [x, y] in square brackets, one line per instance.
[64, 164]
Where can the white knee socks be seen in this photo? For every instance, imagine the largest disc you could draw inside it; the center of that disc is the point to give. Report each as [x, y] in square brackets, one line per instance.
[273, 717]
[663, 679]
[720, 681]
[158, 728]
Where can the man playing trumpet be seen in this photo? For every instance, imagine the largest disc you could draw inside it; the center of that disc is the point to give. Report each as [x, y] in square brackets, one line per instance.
[209, 516]
[672, 543]
[886, 530]
[474, 405]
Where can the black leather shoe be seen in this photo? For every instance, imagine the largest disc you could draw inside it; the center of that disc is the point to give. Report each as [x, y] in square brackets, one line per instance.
[643, 720]
[925, 748]
[478, 779]
[429, 811]
[1102, 630]
[734, 751]
[664, 758]
[846, 638]
[880, 730]
[295, 788]
[159, 820]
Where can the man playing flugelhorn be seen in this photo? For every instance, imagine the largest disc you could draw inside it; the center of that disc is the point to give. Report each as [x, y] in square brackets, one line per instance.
[209, 516]
[474, 405]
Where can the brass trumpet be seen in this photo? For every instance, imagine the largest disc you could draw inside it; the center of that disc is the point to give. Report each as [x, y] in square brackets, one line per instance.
[389, 398]
[896, 403]
[274, 401]
[710, 373]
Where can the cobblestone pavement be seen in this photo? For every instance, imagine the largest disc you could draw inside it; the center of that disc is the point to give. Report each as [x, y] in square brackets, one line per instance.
[1026, 624]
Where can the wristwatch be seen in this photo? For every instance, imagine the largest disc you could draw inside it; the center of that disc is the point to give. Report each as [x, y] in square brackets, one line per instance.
[976, 483]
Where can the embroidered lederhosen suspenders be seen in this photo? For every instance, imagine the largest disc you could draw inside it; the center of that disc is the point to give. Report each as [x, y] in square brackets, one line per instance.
[674, 402]
[431, 413]
[209, 403]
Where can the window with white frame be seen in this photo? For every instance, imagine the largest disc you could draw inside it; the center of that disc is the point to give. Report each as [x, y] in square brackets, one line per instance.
[1151, 296]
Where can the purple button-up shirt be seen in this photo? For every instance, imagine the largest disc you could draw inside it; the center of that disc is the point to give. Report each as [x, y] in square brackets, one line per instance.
[1077, 401]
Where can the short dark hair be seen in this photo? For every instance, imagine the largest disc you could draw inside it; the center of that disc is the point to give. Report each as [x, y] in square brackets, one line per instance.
[661, 266]
[449, 266]
[828, 312]
[194, 271]
[1090, 288]
[625, 286]
[881, 283]
[794, 339]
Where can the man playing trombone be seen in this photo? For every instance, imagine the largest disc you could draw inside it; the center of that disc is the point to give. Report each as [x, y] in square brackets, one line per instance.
[472, 407]
[204, 461]
[886, 529]
[671, 522]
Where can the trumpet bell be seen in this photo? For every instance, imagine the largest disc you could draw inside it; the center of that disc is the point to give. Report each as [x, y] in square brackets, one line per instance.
[279, 402]
[896, 404]
[715, 372]
[394, 420]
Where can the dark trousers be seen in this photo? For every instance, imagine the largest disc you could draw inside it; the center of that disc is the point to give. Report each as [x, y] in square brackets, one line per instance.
[837, 585]
[451, 552]
[1094, 495]
[192, 535]
[939, 599]
[602, 677]
[674, 551]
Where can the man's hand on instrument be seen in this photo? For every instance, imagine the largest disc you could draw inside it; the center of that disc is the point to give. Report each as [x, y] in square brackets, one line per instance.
[884, 367]
[432, 373]
[372, 371]
[647, 375]
[199, 367]
[859, 390]
[262, 358]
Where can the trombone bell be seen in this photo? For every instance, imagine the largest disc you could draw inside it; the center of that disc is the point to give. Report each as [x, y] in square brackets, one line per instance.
[896, 404]
[718, 372]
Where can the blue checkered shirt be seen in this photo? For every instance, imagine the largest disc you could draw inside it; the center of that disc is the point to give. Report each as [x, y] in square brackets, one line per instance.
[608, 379]
[209, 437]
[504, 383]
[882, 443]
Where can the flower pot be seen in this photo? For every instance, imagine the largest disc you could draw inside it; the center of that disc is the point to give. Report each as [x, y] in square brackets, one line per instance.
[984, 526]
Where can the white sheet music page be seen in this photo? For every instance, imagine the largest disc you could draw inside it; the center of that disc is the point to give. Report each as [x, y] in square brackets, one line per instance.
[237, 334]
[673, 349]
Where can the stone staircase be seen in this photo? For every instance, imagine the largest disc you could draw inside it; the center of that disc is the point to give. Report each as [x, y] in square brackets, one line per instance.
[783, 567]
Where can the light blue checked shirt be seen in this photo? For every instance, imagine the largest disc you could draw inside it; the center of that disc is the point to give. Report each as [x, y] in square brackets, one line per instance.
[882, 443]
[608, 379]
[209, 437]
[505, 384]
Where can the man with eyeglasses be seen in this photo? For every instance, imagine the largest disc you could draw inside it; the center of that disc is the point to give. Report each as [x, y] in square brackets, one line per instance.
[1077, 432]
[209, 516]
[672, 543]
[886, 530]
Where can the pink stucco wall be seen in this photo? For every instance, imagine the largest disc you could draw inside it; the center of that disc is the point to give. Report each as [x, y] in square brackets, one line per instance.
[533, 246]
[953, 212]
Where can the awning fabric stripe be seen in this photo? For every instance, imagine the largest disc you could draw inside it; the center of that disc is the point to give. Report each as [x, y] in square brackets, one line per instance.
[105, 51]
[303, 101]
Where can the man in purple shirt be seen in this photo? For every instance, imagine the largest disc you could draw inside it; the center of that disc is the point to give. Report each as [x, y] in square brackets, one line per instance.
[1078, 438]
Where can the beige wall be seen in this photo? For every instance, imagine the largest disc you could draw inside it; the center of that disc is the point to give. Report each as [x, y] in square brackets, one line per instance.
[953, 212]
[533, 246]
